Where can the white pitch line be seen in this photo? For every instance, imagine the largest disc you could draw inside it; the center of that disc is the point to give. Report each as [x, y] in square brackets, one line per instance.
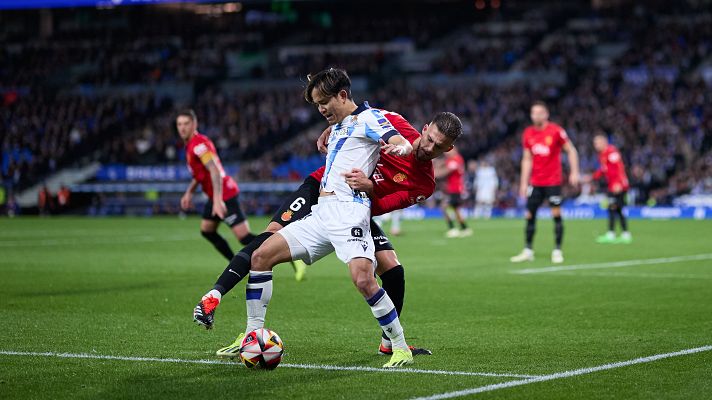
[561, 375]
[297, 366]
[615, 264]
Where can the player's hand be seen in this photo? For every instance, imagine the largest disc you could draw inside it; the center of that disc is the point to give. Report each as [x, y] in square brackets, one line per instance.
[574, 179]
[394, 149]
[523, 189]
[219, 208]
[357, 180]
[323, 141]
[185, 201]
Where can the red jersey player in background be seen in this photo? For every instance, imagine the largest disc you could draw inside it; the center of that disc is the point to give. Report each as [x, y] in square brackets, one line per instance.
[611, 168]
[453, 170]
[222, 191]
[541, 176]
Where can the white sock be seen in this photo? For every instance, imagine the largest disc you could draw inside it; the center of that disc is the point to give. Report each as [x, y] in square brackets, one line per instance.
[258, 293]
[213, 293]
[385, 312]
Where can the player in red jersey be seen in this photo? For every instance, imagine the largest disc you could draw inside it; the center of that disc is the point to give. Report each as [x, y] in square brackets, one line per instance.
[541, 176]
[222, 191]
[611, 168]
[453, 170]
[397, 183]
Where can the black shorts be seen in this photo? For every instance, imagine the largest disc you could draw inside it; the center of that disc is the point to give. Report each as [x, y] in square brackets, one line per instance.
[234, 215]
[537, 195]
[617, 199]
[454, 200]
[380, 240]
[298, 205]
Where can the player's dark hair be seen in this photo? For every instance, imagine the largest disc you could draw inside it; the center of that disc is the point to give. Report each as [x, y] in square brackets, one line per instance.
[540, 103]
[449, 124]
[187, 113]
[328, 83]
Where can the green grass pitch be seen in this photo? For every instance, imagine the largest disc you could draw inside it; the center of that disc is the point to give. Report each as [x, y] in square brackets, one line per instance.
[127, 287]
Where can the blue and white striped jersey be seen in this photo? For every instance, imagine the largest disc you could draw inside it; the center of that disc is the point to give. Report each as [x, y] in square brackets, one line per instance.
[353, 143]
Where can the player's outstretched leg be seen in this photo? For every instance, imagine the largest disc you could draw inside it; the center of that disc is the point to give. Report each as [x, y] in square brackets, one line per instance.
[236, 270]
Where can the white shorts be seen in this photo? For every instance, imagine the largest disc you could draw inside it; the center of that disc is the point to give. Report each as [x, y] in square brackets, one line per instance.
[333, 225]
[485, 196]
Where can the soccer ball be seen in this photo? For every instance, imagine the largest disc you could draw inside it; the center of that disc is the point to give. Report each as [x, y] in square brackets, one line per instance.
[261, 348]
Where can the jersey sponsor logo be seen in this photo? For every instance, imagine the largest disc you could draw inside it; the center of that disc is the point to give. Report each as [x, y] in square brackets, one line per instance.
[541, 150]
[364, 246]
[549, 140]
[614, 157]
[357, 232]
[287, 215]
[399, 177]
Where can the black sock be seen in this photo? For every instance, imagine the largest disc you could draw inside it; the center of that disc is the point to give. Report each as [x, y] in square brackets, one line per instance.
[463, 225]
[450, 225]
[611, 219]
[558, 231]
[247, 239]
[624, 222]
[393, 282]
[220, 244]
[530, 229]
[239, 266]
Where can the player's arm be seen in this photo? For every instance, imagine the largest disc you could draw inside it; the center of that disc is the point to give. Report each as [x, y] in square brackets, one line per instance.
[575, 176]
[188, 195]
[526, 172]
[382, 131]
[219, 207]
[397, 145]
[390, 202]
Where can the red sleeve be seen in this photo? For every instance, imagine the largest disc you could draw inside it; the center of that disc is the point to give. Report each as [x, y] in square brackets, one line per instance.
[598, 174]
[318, 174]
[390, 202]
[525, 136]
[563, 137]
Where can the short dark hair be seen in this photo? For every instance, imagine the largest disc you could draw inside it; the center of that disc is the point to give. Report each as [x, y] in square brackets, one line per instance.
[187, 112]
[540, 103]
[328, 83]
[448, 124]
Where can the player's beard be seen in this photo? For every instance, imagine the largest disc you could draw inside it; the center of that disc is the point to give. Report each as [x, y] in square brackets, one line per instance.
[419, 155]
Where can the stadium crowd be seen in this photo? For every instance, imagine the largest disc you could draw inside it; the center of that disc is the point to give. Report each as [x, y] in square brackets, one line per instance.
[647, 98]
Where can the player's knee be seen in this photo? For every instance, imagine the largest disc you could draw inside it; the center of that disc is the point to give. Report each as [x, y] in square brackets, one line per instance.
[260, 260]
[365, 283]
[556, 212]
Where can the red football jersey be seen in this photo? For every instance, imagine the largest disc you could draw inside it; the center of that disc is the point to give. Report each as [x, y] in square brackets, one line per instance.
[545, 145]
[456, 178]
[199, 151]
[611, 166]
[399, 182]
